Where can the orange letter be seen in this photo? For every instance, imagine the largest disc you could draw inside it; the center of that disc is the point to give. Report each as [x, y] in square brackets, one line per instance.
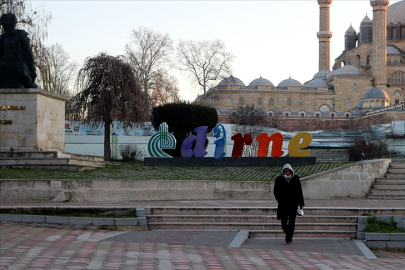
[264, 142]
[295, 145]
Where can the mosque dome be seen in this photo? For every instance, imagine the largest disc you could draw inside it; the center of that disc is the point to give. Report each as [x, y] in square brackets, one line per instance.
[347, 71]
[392, 50]
[232, 81]
[350, 31]
[360, 105]
[289, 83]
[376, 93]
[317, 83]
[366, 22]
[260, 82]
[323, 74]
[396, 13]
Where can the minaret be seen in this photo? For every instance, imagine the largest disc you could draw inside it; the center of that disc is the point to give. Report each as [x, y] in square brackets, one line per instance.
[379, 48]
[324, 34]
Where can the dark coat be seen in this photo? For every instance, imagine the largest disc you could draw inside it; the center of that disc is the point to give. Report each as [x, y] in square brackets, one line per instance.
[288, 195]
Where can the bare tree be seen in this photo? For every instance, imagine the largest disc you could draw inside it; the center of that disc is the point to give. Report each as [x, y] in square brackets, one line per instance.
[58, 72]
[206, 62]
[148, 53]
[248, 115]
[274, 119]
[250, 150]
[109, 91]
[35, 22]
[164, 89]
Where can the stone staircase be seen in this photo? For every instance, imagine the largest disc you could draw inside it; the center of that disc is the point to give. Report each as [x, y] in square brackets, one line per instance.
[54, 160]
[392, 186]
[262, 222]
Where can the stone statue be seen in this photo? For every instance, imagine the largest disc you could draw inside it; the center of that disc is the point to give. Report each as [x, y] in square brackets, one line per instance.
[17, 69]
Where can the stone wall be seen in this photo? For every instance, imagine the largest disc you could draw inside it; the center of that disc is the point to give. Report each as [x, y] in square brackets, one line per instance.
[330, 155]
[351, 181]
[34, 120]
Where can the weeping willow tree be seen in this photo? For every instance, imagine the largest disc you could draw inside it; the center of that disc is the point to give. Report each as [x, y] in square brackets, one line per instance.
[108, 91]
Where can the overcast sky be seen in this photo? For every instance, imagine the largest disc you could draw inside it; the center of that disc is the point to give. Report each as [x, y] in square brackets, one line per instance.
[274, 39]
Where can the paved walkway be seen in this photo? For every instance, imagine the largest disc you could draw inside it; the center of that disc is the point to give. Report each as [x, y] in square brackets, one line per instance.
[36, 248]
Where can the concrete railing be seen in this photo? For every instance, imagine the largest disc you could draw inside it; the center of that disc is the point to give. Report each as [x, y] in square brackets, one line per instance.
[351, 181]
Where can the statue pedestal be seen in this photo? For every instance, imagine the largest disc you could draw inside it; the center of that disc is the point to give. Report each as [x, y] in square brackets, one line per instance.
[31, 120]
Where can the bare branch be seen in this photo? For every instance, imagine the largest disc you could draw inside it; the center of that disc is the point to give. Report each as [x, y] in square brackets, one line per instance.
[149, 55]
[207, 61]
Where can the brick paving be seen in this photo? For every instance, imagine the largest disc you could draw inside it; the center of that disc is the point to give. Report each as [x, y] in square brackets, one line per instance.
[33, 248]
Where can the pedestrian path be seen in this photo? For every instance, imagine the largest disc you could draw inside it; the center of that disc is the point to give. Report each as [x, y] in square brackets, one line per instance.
[33, 248]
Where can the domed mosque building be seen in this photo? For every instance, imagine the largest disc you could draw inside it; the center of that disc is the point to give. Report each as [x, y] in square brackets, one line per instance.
[368, 76]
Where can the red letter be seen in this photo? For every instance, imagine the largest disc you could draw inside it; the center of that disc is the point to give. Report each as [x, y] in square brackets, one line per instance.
[264, 142]
[239, 143]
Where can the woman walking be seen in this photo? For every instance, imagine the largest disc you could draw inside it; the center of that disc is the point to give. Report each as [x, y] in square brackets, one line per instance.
[288, 193]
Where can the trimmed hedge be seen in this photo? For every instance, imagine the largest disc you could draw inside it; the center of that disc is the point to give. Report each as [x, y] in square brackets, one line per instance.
[182, 119]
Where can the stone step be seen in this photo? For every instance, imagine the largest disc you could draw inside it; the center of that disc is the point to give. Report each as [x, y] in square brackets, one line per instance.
[81, 157]
[387, 186]
[395, 175]
[49, 154]
[389, 181]
[34, 161]
[249, 226]
[91, 163]
[13, 163]
[302, 234]
[396, 171]
[22, 155]
[247, 218]
[387, 191]
[386, 197]
[266, 211]
[50, 160]
[397, 165]
[66, 167]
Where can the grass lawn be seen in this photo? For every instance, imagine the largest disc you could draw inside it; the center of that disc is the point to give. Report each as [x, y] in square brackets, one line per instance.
[137, 171]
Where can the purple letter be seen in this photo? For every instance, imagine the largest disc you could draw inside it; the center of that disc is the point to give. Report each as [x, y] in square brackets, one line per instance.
[199, 140]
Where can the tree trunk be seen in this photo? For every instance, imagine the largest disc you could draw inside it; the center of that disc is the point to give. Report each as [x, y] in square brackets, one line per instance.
[107, 148]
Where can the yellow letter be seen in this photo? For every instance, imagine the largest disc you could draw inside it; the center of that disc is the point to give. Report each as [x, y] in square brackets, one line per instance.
[294, 146]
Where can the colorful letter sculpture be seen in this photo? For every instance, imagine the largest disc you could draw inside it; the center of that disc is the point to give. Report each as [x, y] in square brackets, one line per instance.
[199, 139]
[194, 145]
[296, 144]
[264, 143]
[161, 140]
[220, 144]
[239, 143]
